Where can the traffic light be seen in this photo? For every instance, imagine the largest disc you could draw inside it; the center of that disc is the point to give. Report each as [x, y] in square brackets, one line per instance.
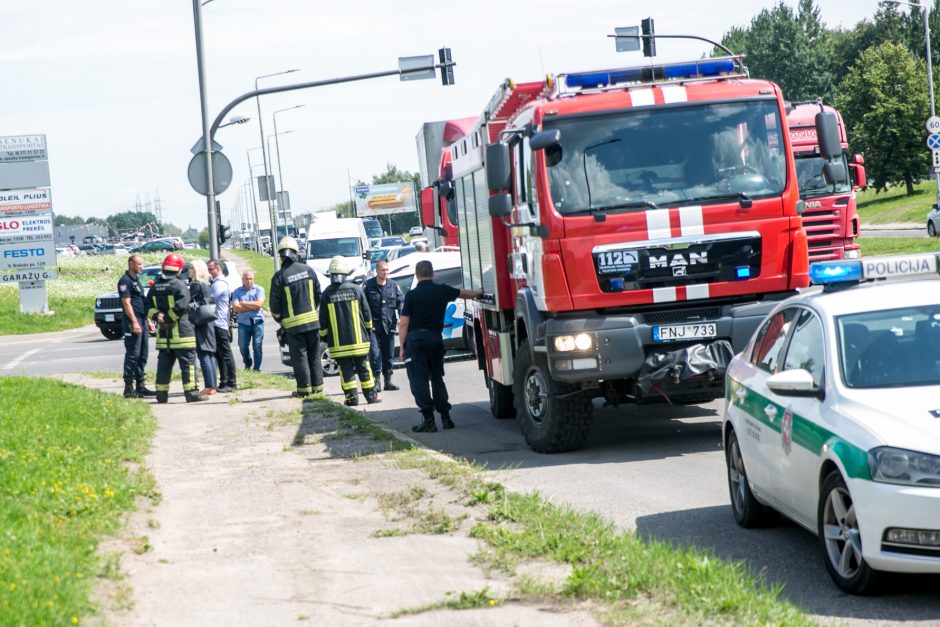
[649, 37]
[447, 73]
[224, 233]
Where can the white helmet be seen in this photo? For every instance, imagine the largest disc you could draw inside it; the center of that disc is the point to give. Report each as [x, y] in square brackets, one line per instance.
[339, 265]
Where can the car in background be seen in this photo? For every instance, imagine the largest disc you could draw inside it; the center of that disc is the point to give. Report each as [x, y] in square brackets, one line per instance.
[156, 245]
[64, 251]
[87, 249]
[933, 221]
[416, 231]
[108, 311]
[400, 251]
[831, 418]
[395, 240]
[378, 254]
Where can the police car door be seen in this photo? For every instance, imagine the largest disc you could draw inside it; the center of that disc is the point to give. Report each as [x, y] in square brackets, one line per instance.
[756, 416]
[799, 438]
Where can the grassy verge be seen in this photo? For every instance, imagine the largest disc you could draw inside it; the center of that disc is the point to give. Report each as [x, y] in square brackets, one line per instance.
[64, 481]
[889, 245]
[894, 205]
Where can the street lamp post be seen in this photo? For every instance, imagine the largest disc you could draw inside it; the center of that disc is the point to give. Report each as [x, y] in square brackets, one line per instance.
[206, 135]
[273, 217]
[280, 171]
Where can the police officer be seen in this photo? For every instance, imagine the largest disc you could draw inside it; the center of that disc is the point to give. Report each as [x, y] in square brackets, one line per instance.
[176, 336]
[385, 303]
[422, 347]
[347, 327]
[295, 301]
[137, 329]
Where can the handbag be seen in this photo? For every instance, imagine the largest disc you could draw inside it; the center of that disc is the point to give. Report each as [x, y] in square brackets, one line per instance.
[202, 314]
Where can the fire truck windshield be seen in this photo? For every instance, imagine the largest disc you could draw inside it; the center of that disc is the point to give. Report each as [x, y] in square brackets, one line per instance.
[809, 173]
[668, 155]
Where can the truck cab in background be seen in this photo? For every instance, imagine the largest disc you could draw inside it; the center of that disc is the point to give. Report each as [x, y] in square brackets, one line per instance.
[830, 215]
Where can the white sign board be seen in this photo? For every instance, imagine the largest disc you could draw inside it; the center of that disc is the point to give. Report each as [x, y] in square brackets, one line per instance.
[23, 201]
[26, 228]
[15, 276]
[23, 148]
[27, 256]
[936, 160]
[933, 124]
[385, 199]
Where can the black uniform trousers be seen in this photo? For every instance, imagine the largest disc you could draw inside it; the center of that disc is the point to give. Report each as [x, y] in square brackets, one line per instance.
[349, 367]
[223, 354]
[165, 360]
[135, 350]
[381, 352]
[424, 360]
[304, 351]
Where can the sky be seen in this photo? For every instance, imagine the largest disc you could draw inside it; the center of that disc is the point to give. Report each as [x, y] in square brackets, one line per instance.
[113, 83]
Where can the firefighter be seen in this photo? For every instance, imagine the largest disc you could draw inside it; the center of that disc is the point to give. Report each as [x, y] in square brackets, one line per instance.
[294, 304]
[176, 335]
[346, 330]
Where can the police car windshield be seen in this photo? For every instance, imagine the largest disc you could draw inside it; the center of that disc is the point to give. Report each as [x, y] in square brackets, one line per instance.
[666, 155]
[812, 183]
[890, 348]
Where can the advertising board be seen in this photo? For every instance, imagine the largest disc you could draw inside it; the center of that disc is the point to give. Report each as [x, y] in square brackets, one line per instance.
[385, 199]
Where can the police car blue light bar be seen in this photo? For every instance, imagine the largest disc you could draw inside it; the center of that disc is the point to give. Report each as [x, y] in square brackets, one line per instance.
[867, 268]
[674, 71]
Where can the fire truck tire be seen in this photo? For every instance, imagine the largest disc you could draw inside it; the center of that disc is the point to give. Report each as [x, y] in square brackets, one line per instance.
[550, 420]
[501, 399]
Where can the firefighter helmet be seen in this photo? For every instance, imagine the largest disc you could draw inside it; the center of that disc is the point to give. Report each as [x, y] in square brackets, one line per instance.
[172, 263]
[288, 243]
[339, 265]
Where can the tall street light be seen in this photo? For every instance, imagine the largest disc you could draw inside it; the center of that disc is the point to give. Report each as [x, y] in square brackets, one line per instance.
[206, 135]
[273, 217]
[280, 171]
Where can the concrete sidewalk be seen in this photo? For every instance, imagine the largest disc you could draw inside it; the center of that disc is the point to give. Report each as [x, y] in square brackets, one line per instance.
[269, 517]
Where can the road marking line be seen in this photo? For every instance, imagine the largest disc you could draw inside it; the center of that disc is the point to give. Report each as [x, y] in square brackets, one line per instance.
[16, 362]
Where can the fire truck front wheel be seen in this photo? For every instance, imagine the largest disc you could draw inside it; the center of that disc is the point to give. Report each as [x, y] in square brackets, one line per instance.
[554, 417]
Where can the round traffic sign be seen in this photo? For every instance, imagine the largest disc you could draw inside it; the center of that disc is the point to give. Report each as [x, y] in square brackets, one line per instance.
[933, 124]
[221, 173]
[933, 141]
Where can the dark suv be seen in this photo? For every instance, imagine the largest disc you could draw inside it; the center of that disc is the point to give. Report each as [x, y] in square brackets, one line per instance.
[108, 312]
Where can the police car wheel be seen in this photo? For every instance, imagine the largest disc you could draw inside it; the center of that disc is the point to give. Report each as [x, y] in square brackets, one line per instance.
[111, 333]
[330, 367]
[840, 538]
[747, 510]
[553, 417]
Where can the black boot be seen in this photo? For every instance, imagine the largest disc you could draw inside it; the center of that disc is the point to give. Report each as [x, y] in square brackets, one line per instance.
[391, 387]
[193, 396]
[446, 422]
[143, 390]
[378, 385]
[129, 391]
[352, 398]
[372, 396]
[163, 397]
[427, 426]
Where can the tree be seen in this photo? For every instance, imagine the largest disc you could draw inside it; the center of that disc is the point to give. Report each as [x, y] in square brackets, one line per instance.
[203, 239]
[885, 102]
[171, 229]
[132, 220]
[61, 220]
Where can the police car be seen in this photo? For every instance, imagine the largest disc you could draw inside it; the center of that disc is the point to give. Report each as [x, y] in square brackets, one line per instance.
[832, 418]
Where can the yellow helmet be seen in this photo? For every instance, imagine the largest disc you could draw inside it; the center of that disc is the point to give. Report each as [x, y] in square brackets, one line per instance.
[338, 265]
[288, 243]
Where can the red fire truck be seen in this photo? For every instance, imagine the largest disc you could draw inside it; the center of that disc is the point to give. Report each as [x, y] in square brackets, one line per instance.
[830, 218]
[629, 228]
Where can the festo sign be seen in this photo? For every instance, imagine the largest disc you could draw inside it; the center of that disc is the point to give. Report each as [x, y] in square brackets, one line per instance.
[18, 255]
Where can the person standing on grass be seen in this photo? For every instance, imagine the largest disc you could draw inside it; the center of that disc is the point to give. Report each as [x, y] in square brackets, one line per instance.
[201, 294]
[223, 337]
[247, 301]
[137, 329]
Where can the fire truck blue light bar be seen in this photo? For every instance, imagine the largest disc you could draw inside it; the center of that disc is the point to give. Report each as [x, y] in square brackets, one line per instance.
[695, 69]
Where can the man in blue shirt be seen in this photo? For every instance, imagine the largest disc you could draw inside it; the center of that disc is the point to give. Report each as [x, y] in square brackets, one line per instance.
[247, 301]
[223, 337]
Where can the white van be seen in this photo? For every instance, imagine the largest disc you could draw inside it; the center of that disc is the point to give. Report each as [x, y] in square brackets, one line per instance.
[343, 236]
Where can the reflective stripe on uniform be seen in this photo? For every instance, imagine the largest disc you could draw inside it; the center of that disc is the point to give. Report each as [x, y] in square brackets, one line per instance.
[350, 350]
[171, 303]
[369, 382]
[296, 321]
[162, 387]
[333, 327]
[357, 332]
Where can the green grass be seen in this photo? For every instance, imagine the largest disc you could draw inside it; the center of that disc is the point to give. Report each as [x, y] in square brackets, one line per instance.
[889, 245]
[608, 566]
[894, 205]
[65, 453]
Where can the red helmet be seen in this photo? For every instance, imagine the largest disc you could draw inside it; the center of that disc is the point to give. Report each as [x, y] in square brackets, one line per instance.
[172, 263]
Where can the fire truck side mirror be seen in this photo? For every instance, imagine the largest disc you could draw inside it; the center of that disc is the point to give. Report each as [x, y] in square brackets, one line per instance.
[498, 177]
[500, 205]
[835, 173]
[545, 139]
[827, 132]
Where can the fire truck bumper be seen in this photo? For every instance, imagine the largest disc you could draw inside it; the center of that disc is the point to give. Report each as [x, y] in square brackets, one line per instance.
[611, 348]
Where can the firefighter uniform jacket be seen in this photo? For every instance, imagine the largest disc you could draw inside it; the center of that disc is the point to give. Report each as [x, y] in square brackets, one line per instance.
[347, 320]
[295, 298]
[171, 296]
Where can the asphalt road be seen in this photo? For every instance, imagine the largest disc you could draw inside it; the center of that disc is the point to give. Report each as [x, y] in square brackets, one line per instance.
[658, 470]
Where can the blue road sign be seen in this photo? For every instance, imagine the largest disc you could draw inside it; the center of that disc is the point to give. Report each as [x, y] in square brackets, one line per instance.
[933, 141]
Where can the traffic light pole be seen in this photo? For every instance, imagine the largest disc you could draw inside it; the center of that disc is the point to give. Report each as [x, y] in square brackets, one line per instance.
[447, 78]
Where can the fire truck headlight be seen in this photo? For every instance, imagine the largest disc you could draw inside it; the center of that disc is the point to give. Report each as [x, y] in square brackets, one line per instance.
[564, 343]
[583, 342]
